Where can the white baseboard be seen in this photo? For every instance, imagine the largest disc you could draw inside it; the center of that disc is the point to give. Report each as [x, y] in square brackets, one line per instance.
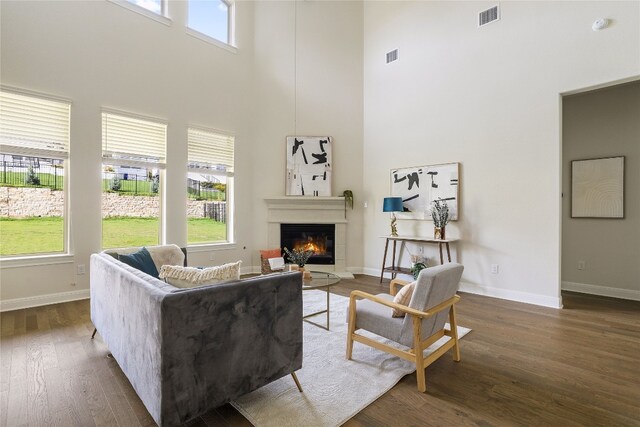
[511, 295]
[605, 291]
[37, 301]
[507, 294]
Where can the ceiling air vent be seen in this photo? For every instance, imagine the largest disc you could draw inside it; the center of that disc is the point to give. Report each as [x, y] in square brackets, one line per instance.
[392, 56]
[487, 16]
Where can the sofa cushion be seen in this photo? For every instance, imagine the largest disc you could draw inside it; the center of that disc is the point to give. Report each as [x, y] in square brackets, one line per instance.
[188, 277]
[141, 260]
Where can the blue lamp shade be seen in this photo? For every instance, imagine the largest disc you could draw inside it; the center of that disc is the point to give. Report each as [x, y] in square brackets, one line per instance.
[392, 204]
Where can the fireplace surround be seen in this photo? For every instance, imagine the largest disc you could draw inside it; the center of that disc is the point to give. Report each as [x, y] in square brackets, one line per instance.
[311, 210]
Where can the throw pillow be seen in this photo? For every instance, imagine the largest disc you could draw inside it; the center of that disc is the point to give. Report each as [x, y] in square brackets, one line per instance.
[189, 277]
[403, 298]
[271, 253]
[142, 261]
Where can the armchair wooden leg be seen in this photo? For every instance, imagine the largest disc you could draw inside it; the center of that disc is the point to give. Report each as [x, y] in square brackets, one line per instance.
[295, 379]
[417, 350]
[454, 333]
[94, 333]
[352, 327]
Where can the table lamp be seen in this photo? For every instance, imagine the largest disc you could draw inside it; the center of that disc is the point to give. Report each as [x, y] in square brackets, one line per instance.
[393, 204]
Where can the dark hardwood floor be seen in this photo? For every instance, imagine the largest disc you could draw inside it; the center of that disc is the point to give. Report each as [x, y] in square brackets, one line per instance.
[521, 365]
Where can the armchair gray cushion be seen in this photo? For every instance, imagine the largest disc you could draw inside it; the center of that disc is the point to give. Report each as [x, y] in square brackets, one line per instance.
[434, 285]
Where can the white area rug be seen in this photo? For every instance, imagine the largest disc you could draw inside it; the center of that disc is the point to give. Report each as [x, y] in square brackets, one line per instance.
[335, 389]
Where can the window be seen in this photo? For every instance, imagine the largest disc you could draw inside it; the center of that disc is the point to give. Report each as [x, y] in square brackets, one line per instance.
[154, 6]
[133, 156]
[209, 187]
[211, 18]
[34, 147]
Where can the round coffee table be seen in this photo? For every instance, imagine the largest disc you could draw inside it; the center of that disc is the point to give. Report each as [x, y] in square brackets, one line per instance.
[320, 280]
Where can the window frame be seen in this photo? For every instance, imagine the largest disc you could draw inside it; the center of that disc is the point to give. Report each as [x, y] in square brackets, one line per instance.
[230, 242]
[46, 258]
[161, 166]
[230, 44]
[161, 17]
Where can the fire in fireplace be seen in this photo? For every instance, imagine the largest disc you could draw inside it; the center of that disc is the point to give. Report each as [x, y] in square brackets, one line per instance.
[319, 238]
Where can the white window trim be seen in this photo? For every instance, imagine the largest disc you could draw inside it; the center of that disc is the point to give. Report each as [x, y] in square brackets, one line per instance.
[211, 40]
[46, 258]
[161, 18]
[36, 260]
[230, 243]
[124, 162]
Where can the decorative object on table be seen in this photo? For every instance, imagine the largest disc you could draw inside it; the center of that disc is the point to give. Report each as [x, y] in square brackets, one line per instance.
[417, 268]
[597, 188]
[392, 204]
[308, 166]
[420, 185]
[440, 215]
[348, 200]
[300, 258]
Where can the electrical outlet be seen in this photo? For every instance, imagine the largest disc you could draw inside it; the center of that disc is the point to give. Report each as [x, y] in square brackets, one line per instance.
[366, 205]
[495, 268]
[581, 265]
[80, 269]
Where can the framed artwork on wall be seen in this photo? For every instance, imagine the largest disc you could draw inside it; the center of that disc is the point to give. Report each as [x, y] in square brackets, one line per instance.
[308, 166]
[597, 188]
[420, 185]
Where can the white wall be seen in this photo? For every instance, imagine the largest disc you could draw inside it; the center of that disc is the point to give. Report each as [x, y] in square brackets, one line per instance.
[603, 123]
[489, 99]
[308, 82]
[99, 54]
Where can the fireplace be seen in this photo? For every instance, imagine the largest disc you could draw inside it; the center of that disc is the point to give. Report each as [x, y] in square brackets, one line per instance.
[317, 237]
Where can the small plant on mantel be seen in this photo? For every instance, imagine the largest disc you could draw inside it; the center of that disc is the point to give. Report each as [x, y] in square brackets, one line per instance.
[348, 201]
[298, 256]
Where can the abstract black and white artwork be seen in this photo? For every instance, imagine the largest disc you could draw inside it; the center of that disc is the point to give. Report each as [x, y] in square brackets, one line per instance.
[597, 188]
[420, 185]
[308, 166]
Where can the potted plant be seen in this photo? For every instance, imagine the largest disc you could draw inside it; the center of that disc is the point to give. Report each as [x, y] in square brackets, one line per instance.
[348, 200]
[440, 215]
[417, 268]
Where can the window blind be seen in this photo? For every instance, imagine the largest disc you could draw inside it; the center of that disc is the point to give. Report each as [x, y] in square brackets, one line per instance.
[132, 140]
[210, 150]
[33, 126]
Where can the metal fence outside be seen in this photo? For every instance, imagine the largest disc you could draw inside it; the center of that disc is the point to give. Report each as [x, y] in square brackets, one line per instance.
[129, 183]
[216, 211]
[200, 192]
[26, 174]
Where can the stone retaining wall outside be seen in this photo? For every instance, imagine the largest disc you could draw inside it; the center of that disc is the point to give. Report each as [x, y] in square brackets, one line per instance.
[20, 202]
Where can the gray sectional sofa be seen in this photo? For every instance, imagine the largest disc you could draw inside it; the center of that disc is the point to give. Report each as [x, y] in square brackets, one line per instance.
[186, 351]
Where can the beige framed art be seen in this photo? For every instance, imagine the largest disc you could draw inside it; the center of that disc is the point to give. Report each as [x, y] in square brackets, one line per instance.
[597, 188]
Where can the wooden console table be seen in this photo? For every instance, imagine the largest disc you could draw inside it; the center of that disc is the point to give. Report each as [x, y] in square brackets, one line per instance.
[403, 239]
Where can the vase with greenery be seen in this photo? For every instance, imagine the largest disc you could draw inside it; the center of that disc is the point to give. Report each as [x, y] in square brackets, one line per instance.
[440, 215]
[298, 256]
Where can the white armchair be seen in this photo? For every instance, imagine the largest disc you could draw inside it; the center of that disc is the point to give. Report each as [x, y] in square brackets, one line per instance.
[433, 300]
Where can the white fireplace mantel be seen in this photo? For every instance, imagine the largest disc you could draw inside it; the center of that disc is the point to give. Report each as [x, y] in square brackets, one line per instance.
[310, 210]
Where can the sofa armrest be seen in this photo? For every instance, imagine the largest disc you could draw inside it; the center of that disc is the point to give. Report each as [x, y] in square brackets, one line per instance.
[126, 311]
